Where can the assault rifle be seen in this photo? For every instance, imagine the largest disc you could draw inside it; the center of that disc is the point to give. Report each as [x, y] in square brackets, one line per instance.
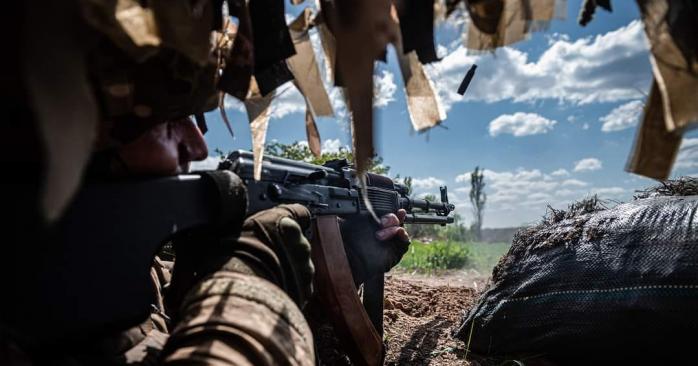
[330, 189]
[95, 275]
[329, 192]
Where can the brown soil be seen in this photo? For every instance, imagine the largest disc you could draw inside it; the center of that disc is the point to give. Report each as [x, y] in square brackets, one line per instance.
[420, 313]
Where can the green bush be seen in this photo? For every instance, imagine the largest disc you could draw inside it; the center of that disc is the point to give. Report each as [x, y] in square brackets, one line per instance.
[434, 256]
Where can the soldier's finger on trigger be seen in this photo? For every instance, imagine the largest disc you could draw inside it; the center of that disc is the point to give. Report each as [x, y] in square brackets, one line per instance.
[401, 215]
[389, 220]
[387, 233]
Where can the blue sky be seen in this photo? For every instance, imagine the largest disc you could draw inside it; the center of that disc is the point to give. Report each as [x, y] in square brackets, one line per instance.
[551, 118]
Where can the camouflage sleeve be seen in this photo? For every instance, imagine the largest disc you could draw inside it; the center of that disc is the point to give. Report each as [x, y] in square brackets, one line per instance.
[235, 318]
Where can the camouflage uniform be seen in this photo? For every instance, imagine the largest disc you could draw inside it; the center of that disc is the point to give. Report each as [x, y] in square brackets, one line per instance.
[245, 312]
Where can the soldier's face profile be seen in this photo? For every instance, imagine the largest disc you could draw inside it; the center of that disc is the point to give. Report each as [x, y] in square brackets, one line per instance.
[165, 149]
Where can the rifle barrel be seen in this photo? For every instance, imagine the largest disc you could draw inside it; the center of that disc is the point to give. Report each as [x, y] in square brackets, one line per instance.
[426, 206]
[428, 219]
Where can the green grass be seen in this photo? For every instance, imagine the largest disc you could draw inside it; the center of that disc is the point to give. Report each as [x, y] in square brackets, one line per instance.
[443, 255]
[484, 256]
[434, 256]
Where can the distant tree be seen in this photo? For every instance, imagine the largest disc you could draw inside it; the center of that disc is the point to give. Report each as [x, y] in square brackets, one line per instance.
[407, 181]
[221, 154]
[478, 199]
[301, 152]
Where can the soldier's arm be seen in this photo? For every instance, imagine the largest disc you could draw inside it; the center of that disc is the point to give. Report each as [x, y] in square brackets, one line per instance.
[247, 312]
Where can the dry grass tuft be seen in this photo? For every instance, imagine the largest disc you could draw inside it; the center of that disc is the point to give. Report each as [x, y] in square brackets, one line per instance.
[683, 186]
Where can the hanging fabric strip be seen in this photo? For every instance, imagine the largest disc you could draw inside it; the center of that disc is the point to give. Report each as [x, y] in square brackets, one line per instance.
[451, 6]
[312, 133]
[305, 69]
[497, 23]
[670, 28]
[586, 13]
[417, 28]
[362, 29]
[239, 65]
[272, 77]
[258, 112]
[272, 44]
[655, 148]
[422, 101]
[224, 114]
[329, 46]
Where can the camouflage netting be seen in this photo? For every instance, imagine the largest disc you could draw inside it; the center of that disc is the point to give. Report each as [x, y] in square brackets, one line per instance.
[597, 283]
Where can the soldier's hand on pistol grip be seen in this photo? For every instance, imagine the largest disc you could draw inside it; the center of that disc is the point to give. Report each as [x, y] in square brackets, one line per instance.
[374, 249]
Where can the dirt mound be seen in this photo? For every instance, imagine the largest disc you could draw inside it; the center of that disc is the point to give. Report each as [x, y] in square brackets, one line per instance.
[419, 317]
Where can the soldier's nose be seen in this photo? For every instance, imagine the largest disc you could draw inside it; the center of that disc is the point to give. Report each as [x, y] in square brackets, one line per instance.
[192, 146]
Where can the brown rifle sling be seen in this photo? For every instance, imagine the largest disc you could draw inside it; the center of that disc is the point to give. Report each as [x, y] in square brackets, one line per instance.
[336, 291]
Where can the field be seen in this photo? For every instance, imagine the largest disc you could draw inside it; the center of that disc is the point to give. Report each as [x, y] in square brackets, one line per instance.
[437, 256]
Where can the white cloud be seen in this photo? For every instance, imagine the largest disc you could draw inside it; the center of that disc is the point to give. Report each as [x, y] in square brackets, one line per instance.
[441, 51]
[688, 154]
[383, 89]
[574, 183]
[521, 196]
[605, 68]
[510, 186]
[328, 146]
[521, 124]
[588, 164]
[555, 37]
[606, 192]
[427, 183]
[210, 163]
[566, 192]
[513, 197]
[332, 146]
[560, 173]
[622, 117]
[463, 178]
[465, 190]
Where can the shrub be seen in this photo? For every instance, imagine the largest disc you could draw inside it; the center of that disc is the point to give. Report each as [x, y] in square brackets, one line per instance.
[435, 256]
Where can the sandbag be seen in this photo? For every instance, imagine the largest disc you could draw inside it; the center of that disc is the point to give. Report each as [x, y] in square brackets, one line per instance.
[608, 285]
